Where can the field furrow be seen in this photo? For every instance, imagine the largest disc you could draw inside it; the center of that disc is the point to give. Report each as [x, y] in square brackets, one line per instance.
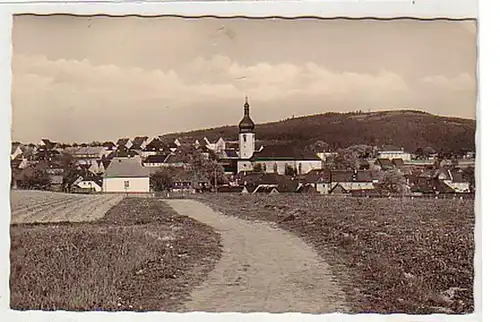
[41, 206]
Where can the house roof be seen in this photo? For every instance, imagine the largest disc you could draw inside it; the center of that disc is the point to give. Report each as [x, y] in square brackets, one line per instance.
[14, 147]
[138, 141]
[316, 175]
[174, 158]
[229, 189]
[156, 158]
[122, 153]
[126, 168]
[363, 176]
[283, 153]
[398, 162]
[90, 150]
[341, 176]
[458, 175]
[384, 162]
[122, 142]
[155, 145]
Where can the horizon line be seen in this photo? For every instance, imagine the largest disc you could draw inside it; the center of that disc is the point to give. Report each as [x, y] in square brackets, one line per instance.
[263, 123]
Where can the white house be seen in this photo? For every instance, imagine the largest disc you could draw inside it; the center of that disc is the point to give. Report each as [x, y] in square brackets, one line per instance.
[393, 153]
[126, 175]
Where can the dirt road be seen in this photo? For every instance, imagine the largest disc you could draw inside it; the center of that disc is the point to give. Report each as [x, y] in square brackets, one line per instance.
[262, 269]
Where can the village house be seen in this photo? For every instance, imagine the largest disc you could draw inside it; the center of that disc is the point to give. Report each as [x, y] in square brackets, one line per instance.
[153, 147]
[126, 175]
[392, 152]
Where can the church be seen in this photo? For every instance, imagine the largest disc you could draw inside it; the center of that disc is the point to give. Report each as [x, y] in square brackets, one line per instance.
[270, 159]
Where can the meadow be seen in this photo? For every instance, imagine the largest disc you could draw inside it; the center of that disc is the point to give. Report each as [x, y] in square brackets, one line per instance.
[140, 255]
[391, 255]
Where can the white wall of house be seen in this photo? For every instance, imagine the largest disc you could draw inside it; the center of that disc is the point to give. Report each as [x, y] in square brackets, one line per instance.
[394, 155]
[220, 145]
[304, 165]
[244, 166]
[137, 184]
[323, 187]
[155, 165]
[350, 186]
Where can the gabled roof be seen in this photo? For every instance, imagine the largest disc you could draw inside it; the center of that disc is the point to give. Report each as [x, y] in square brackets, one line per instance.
[278, 152]
[122, 142]
[156, 158]
[155, 145]
[385, 163]
[126, 168]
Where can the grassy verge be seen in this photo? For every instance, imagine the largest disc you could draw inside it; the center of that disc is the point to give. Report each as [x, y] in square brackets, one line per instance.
[141, 256]
[414, 257]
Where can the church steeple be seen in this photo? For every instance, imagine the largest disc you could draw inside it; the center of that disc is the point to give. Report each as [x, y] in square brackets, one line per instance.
[246, 124]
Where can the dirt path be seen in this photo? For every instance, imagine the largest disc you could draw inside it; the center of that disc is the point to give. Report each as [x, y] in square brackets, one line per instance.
[262, 269]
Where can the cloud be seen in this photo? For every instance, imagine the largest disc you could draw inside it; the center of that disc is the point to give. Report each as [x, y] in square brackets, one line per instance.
[461, 82]
[71, 94]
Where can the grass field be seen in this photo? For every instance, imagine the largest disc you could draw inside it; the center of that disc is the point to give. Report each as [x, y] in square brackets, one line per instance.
[412, 256]
[140, 256]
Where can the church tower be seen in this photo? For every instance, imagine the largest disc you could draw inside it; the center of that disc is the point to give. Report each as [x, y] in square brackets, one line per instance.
[247, 134]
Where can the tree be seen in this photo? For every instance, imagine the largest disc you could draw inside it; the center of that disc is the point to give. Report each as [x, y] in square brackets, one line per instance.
[470, 175]
[392, 182]
[162, 179]
[318, 146]
[203, 167]
[34, 178]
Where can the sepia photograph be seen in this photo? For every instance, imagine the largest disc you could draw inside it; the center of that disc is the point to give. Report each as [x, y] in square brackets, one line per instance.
[209, 164]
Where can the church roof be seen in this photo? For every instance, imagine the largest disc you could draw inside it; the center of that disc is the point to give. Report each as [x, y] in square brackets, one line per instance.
[283, 153]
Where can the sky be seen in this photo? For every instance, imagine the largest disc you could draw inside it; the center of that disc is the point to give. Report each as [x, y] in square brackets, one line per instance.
[79, 79]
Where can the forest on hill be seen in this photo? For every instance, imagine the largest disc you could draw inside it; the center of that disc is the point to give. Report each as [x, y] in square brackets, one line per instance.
[408, 129]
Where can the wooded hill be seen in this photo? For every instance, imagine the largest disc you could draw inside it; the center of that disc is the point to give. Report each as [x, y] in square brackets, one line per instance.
[408, 129]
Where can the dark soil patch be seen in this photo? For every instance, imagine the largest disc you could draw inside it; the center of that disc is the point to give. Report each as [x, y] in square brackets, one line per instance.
[411, 256]
[141, 256]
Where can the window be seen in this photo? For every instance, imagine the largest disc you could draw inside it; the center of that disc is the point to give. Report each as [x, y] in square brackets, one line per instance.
[244, 137]
[126, 184]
